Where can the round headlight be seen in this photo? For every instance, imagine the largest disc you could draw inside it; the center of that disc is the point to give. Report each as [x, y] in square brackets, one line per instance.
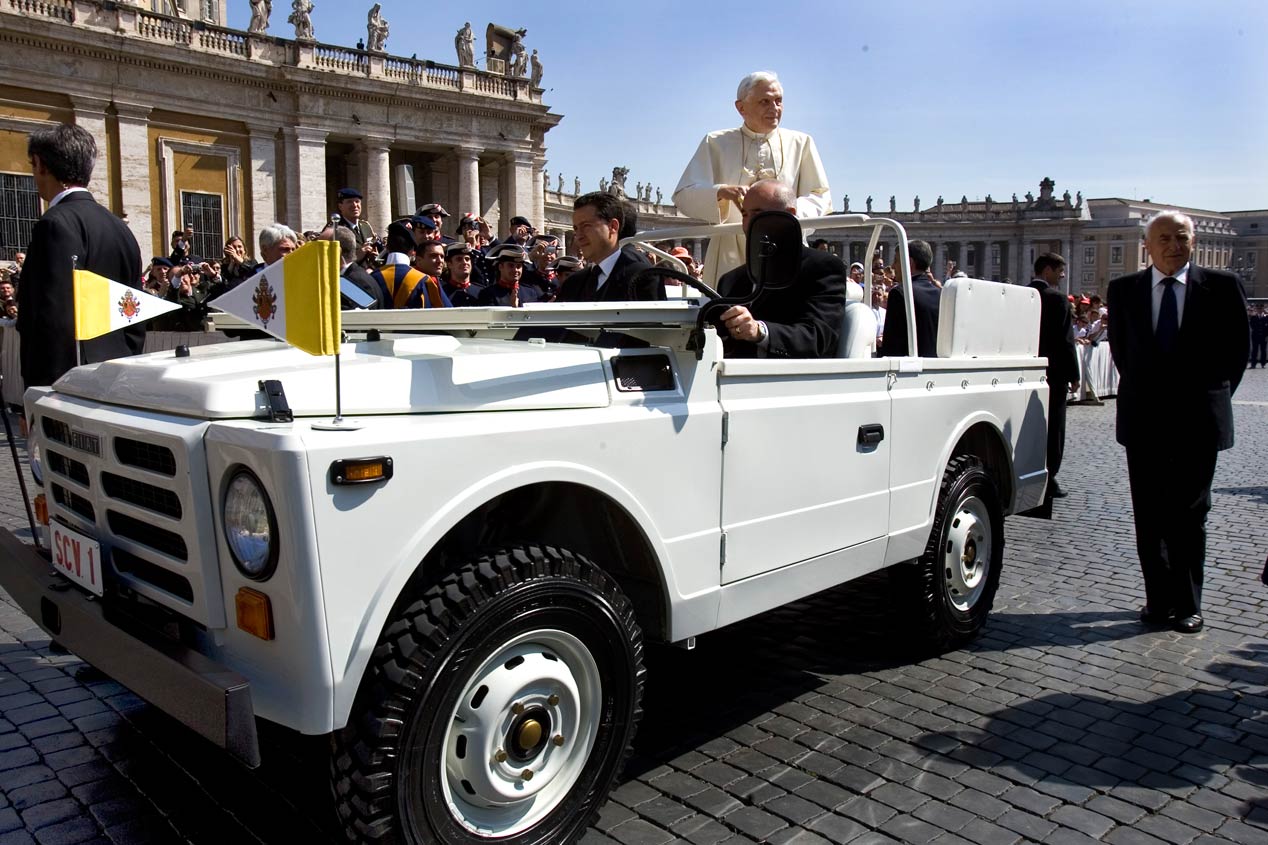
[37, 466]
[250, 529]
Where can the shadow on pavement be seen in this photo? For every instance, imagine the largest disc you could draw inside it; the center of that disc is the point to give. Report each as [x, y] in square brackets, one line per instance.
[1257, 494]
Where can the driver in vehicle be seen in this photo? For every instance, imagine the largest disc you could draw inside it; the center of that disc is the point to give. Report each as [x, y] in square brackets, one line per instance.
[799, 319]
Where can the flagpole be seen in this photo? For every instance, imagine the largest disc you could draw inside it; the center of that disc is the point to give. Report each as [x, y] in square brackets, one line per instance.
[79, 352]
[338, 394]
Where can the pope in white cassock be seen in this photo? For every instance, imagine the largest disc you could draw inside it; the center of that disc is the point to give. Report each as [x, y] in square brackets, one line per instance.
[730, 160]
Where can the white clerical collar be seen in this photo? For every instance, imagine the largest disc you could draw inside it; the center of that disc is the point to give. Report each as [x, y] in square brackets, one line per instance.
[605, 267]
[396, 258]
[756, 136]
[1181, 275]
[62, 195]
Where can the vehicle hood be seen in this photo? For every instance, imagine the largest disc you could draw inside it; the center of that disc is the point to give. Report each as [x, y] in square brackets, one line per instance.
[418, 374]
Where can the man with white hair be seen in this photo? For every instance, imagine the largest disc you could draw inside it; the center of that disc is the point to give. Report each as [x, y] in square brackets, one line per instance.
[1180, 338]
[277, 242]
[729, 161]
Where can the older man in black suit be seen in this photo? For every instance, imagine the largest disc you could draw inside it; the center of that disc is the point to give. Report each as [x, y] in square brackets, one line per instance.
[1056, 343]
[74, 233]
[597, 222]
[799, 320]
[1180, 339]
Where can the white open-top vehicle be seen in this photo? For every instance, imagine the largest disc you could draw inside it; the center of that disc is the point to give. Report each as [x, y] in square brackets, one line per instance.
[455, 581]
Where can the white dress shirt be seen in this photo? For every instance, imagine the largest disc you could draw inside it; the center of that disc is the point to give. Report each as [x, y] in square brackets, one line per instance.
[63, 194]
[605, 269]
[1182, 277]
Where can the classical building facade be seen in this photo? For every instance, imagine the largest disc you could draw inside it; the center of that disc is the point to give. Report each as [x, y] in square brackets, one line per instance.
[231, 131]
[1099, 238]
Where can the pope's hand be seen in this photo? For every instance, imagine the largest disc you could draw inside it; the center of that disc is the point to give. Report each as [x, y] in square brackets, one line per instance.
[740, 324]
[734, 193]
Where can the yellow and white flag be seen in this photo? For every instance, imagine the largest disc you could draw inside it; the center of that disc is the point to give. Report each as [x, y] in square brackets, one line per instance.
[103, 305]
[295, 299]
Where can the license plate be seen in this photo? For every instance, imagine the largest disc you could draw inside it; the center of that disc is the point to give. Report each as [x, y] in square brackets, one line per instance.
[78, 557]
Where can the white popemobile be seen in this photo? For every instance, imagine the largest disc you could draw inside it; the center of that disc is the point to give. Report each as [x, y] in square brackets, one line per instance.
[455, 582]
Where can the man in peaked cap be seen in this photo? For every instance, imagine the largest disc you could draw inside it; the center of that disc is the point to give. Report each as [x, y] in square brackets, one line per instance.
[435, 212]
[348, 205]
[508, 262]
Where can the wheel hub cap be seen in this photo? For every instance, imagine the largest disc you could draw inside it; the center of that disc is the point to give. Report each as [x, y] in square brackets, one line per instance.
[521, 732]
[967, 554]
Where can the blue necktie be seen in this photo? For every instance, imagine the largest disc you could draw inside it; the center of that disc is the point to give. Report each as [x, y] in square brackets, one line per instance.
[1168, 317]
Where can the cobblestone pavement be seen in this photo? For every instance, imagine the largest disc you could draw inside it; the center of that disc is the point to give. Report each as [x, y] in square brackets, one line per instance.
[1067, 722]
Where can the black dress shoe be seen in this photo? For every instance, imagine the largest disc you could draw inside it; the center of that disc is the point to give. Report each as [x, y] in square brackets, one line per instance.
[1156, 617]
[1055, 489]
[1189, 624]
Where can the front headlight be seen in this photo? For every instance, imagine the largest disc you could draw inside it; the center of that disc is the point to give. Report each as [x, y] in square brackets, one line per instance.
[250, 528]
[37, 466]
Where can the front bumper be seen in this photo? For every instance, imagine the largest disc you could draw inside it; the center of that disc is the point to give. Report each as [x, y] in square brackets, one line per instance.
[203, 695]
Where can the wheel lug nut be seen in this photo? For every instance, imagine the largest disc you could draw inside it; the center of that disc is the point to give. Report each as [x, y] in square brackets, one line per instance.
[558, 739]
[517, 708]
[499, 756]
[527, 774]
[553, 700]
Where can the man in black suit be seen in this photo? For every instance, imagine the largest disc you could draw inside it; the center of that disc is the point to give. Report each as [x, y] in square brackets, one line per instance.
[74, 233]
[1056, 343]
[1180, 338]
[597, 220]
[799, 320]
[926, 296]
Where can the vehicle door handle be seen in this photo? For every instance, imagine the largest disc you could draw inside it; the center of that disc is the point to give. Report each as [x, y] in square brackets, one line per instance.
[870, 435]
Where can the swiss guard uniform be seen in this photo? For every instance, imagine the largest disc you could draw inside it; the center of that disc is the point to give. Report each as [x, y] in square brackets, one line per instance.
[400, 280]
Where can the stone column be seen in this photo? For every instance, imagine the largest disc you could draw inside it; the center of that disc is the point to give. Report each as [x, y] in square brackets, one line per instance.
[492, 207]
[134, 175]
[468, 159]
[305, 178]
[90, 115]
[520, 187]
[264, 183]
[439, 188]
[1004, 271]
[539, 195]
[378, 184]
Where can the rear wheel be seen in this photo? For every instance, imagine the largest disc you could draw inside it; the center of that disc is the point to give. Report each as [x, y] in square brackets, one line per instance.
[952, 586]
[498, 707]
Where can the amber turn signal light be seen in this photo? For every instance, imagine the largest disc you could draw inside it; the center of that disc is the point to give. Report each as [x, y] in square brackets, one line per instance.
[360, 470]
[255, 614]
[41, 509]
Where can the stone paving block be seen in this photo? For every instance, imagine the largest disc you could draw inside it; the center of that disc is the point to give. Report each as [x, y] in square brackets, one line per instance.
[837, 828]
[1083, 820]
[68, 832]
[36, 793]
[911, 830]
[50, 812]
[1027, 824]
[639, 832]
[983, 832]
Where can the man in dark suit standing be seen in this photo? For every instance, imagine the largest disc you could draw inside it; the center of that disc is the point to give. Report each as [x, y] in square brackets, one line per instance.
[1056, 343]
[1180, 339]
[798, 320]
[597, 219]
[926, 296]
[74, 233]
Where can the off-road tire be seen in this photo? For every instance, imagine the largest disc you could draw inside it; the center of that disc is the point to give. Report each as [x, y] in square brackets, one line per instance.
[393, 765]
[947, 596]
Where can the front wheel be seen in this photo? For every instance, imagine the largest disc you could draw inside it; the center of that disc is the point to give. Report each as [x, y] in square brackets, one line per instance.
[498, 707]
[952, 586]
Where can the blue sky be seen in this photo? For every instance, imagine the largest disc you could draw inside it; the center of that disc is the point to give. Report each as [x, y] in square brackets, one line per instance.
[1162, 100]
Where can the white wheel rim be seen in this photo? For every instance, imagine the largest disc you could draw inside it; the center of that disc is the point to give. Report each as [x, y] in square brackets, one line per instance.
[552, 681]
[966, 558]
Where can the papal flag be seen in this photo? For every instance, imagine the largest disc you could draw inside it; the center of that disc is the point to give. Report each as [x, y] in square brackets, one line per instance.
[295, 299]
[103, 305]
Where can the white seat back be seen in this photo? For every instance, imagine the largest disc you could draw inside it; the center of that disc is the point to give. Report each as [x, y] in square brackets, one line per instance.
[980, 319]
